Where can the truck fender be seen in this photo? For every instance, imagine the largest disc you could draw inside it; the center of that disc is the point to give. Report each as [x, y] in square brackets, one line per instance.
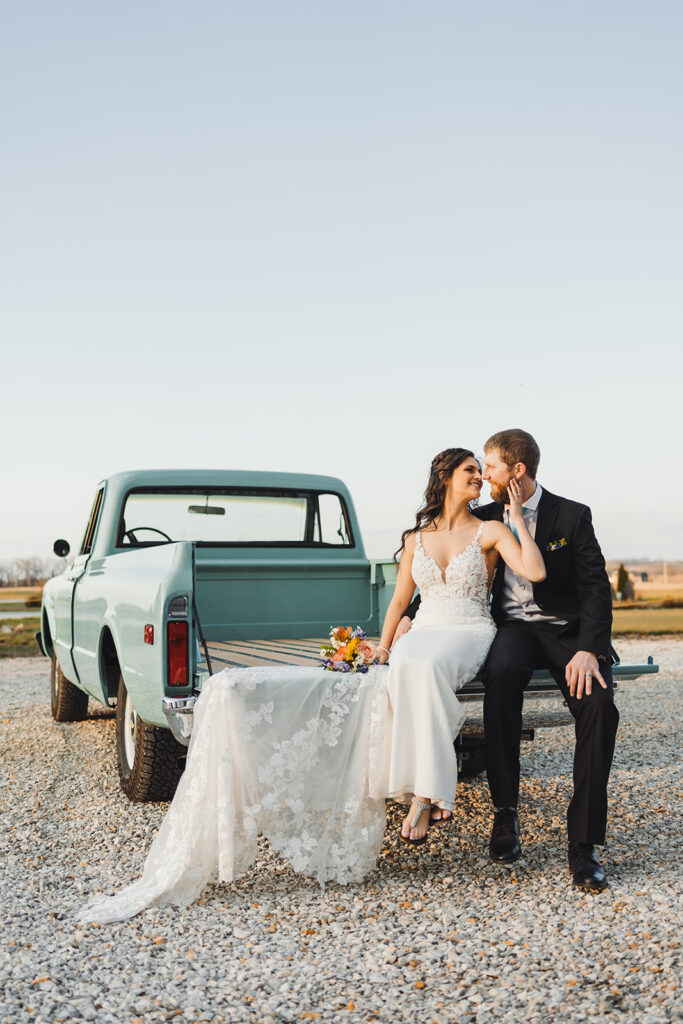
[47, 630]
[109, 658]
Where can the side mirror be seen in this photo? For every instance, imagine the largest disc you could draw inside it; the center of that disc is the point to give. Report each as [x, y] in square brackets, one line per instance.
[61, 548]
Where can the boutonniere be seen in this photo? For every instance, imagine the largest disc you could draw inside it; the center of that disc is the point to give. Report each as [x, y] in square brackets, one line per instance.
[555, 545]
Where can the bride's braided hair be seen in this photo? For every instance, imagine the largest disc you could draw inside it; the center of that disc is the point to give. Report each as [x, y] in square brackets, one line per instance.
[441, 471]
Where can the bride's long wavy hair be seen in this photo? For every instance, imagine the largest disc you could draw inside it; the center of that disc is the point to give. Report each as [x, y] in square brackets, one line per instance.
[443, 466]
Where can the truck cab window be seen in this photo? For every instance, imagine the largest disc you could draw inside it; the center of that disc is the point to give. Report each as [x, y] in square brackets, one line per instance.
[247, 517]
[331, 524]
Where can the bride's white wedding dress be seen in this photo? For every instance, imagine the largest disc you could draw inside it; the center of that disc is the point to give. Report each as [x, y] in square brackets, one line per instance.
[445, 648]
[306, 757]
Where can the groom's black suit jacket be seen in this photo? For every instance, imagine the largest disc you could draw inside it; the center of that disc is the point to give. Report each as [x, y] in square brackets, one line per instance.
[576, 587]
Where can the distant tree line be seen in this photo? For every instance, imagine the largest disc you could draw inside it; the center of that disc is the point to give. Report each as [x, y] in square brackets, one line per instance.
[29, 572]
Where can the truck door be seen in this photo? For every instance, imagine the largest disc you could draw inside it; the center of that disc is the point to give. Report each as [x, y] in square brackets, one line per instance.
[63, 606]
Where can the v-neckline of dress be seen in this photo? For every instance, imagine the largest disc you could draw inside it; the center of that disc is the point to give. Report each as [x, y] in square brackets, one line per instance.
[443, 572]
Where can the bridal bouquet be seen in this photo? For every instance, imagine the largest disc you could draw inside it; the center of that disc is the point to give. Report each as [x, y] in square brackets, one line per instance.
[348, 650]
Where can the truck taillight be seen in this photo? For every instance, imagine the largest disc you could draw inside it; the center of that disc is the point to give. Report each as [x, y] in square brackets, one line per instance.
[177, 654]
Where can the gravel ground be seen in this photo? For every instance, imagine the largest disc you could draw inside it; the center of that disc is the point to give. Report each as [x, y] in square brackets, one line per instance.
[436, 934]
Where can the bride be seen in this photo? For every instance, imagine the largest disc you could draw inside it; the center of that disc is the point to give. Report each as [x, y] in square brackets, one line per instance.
[452, 557]
[306, 757]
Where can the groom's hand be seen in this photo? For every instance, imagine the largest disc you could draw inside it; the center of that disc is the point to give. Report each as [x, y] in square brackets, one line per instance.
[403, 627]
[580, 673]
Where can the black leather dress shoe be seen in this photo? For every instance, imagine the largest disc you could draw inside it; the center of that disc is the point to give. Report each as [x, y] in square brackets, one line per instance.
[587, 871]
[505, 847]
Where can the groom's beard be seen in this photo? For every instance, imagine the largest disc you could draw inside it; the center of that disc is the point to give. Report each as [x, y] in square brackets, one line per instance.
[499, 493]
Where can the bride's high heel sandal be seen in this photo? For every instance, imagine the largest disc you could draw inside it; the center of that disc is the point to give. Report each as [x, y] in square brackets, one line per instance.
[421, 806]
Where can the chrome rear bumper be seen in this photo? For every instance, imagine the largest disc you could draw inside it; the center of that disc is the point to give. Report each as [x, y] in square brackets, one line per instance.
[179, 713]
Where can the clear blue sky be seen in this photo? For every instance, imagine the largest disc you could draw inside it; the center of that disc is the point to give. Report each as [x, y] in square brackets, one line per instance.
[339, 237]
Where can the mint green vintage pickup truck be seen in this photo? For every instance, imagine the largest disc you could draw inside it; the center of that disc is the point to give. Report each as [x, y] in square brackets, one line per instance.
[181, 572]
[184, 572]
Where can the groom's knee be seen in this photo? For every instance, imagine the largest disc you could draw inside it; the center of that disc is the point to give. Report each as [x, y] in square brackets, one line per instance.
[504, 674]
[501, 672]
[596, 707]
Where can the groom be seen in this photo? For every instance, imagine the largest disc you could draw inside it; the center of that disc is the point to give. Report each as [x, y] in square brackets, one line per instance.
[563, 624]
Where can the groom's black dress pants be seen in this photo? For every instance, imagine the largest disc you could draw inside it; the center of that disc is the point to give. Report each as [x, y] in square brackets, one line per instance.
[518, 649]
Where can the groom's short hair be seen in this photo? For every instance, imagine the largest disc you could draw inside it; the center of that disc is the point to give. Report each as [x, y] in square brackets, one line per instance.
[516, 446]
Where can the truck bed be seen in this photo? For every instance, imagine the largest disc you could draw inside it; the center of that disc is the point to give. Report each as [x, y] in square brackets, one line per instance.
[248, 653]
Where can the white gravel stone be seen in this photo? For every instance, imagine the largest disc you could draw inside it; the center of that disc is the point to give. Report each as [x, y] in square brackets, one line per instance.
[435, 934]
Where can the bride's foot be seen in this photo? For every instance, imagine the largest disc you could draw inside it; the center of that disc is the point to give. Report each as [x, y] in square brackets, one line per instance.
[440, 815]
[416, 822]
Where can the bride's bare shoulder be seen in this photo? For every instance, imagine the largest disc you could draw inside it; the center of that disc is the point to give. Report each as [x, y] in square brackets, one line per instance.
[411, 541]
[492, 533]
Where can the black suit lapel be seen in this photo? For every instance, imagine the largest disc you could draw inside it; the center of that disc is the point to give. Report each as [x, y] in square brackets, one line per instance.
[490, 511]
[548, 508]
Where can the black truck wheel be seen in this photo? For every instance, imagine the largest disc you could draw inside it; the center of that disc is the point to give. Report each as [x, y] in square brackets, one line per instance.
[67, 702]
[148, 757]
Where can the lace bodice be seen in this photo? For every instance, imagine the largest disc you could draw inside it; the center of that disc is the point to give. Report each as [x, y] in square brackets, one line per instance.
[460, 591]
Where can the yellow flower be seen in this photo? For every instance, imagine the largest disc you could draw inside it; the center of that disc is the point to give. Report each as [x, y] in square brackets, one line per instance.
[351, 649]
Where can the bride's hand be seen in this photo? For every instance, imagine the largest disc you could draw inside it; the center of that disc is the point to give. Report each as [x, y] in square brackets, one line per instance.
[515, 499]
[381, 656]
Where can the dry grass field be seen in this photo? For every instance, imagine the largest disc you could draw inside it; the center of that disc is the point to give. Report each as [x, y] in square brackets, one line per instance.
[657, 609]
[652, 593]
[19, 593]
[21, 641]
[653, 621]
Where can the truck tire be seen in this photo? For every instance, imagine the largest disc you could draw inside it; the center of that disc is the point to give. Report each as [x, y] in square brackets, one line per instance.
[67, 702]
[149, 758]
[473, 762]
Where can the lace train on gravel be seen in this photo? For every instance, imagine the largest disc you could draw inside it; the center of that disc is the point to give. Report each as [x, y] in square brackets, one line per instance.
[298, 755]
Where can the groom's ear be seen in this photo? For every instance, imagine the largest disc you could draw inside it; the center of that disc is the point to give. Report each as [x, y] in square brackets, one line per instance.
[519, 470]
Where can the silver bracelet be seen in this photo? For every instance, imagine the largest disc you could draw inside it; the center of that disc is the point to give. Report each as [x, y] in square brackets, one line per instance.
[380, 648]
